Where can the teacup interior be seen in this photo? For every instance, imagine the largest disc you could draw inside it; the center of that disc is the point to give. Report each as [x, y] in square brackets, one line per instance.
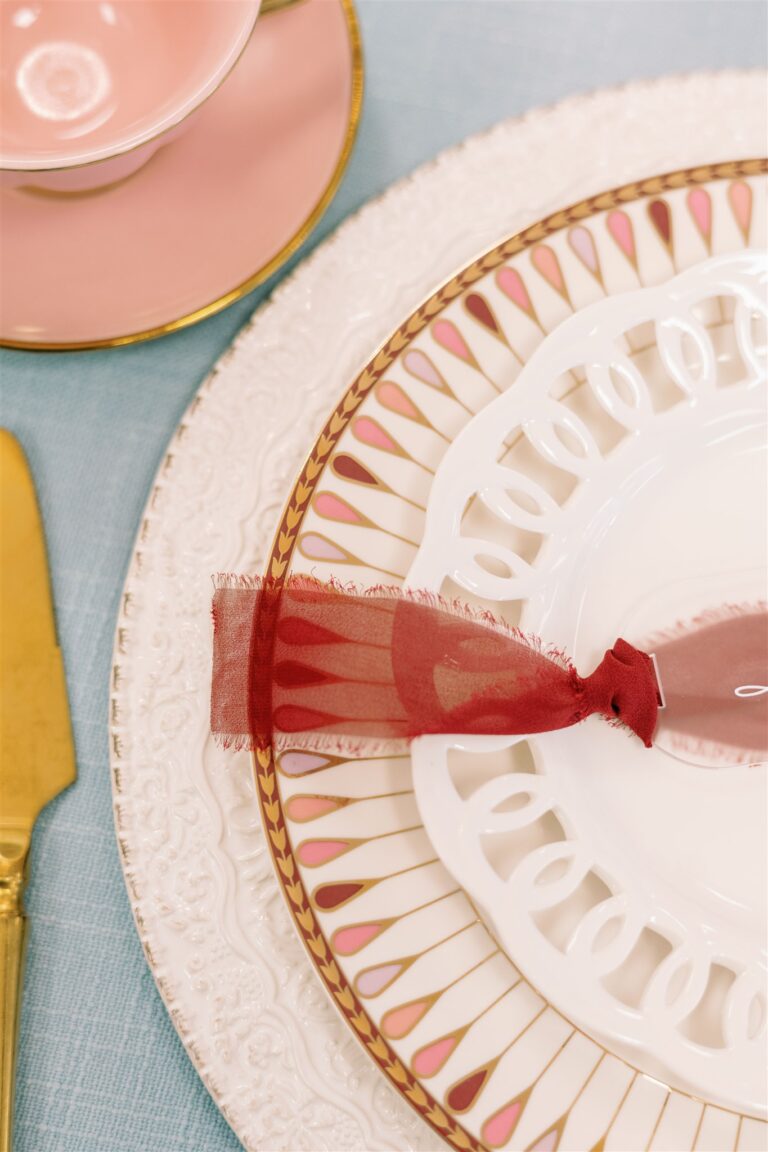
[82, 79]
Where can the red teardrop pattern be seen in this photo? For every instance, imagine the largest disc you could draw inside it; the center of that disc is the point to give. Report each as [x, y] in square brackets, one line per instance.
[348, 468]
[293, 718]
[480, 310]
[661, 218]
[463, 1095]
[293, 674]
[330, 896]
[298, 630]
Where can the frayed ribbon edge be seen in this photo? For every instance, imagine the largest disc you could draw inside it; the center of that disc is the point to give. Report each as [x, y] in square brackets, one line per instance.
[454, 607]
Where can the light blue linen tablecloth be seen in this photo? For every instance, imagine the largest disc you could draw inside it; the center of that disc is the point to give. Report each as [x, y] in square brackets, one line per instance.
[101, 1068]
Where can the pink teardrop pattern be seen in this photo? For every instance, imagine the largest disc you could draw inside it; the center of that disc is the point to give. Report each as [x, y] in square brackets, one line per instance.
[700, 208]
[430, 1059]
[392, 397]
[480, 310]
[373, 981]
[511, 283]
[317, 547]
[582, 243]
[419, 365]
[661, 219]
[546, 263]
[332, 507]
[622, 233]
[740, 199]
[448, 336]
[498, 1128]
[303, 763]
[302, 808]
[370, 432]
[548, 1142]
[398, 1022]
[314, 853]
[351, 938]
[354, 937]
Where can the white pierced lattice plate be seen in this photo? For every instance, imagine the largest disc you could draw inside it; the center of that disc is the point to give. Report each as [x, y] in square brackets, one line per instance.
[646, 919]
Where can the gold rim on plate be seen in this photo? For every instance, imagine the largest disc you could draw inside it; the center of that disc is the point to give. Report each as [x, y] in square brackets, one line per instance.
[266, 270]
[299, 904]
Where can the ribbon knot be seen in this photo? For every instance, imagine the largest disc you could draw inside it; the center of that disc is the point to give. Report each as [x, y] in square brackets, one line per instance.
[624, 687]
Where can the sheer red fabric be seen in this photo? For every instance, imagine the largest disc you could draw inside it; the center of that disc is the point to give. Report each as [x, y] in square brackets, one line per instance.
[308, 664]
[714, 675]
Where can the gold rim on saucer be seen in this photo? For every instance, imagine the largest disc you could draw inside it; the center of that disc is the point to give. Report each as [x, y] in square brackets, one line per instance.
[266, 270]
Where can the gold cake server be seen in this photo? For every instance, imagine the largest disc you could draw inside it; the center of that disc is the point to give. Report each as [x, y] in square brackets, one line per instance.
[37, 757]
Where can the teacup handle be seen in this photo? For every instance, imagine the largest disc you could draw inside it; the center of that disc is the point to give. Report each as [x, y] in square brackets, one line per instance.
[268, 6]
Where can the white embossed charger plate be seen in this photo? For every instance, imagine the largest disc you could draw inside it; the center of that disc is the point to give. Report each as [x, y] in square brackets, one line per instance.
[286, 1072]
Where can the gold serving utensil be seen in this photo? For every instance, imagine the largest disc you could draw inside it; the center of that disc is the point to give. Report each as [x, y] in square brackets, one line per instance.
[37, 758]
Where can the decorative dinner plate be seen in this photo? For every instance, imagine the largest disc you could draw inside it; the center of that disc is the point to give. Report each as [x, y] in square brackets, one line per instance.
[537, 942]
[210, 215]
[574, 423]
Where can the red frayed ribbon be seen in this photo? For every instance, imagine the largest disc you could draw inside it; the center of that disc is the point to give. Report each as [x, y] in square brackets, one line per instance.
[311, 664]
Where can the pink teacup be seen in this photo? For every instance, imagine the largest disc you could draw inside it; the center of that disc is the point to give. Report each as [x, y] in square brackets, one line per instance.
[90, 89]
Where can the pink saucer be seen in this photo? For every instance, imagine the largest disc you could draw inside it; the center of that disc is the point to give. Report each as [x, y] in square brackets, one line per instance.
[210, 215]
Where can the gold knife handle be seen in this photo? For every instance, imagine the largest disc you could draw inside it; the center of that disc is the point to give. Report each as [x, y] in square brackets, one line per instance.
[14, 847]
